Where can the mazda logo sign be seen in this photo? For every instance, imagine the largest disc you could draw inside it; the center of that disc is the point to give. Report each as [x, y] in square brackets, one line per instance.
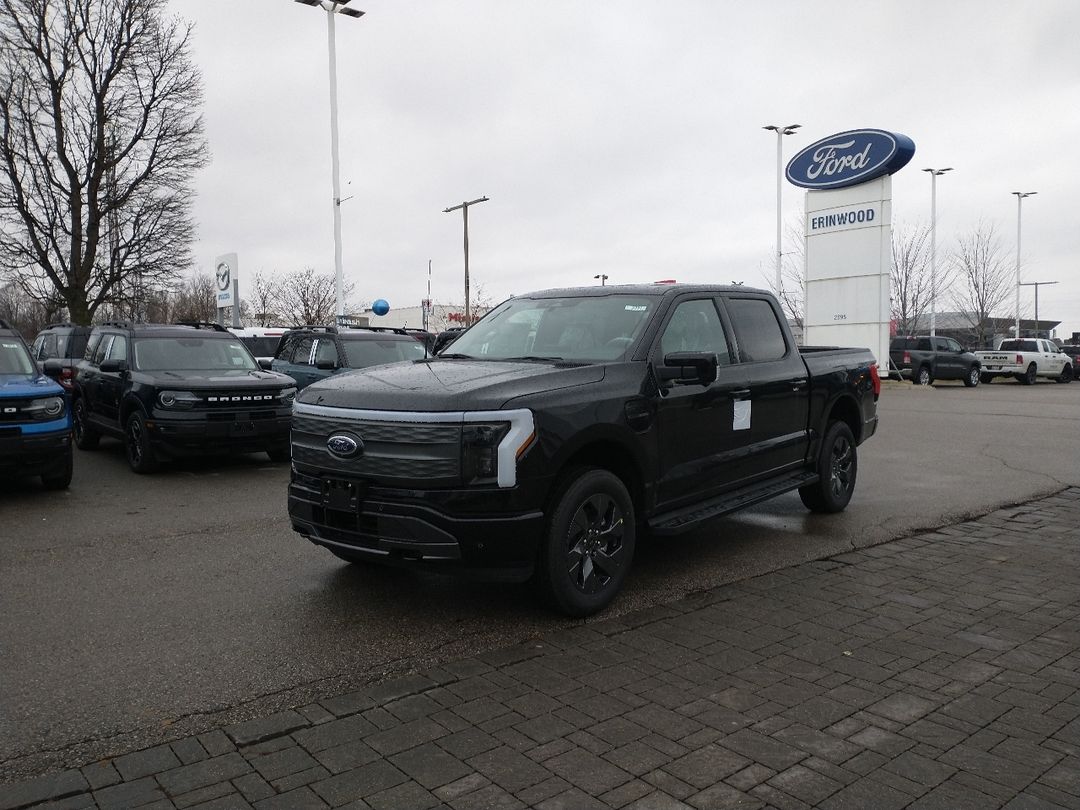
[345, 445]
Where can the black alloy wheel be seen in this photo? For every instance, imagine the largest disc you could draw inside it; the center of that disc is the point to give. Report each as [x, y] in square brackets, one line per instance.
[590, 543]
[838, 467]
[140, 454]
[973, 377]
[86, 438]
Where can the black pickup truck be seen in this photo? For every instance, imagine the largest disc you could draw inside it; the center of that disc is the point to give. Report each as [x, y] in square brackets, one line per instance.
[923, 359]
[556, 429]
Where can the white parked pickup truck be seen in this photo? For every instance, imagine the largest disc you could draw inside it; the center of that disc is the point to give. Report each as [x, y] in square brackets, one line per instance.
[1026, 359]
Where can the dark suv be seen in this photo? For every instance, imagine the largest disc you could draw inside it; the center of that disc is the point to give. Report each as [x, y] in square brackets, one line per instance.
[312, 353]
[35, 421]
[178, 390]
[65, 342]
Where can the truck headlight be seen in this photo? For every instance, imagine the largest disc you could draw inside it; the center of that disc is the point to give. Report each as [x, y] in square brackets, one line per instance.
[177, 400]
[287, 395]
[491, 446]
[48, 408]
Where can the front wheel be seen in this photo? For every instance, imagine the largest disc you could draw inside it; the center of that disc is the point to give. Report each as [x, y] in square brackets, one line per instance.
[86, 438]
[140, 454]
[1066, 375]
[923, 376]
[837, 467]
[61, 478]
[973, 377]
[589, 544]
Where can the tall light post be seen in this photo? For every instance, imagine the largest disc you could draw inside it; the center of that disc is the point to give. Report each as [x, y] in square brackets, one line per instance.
[1019, 200]
[780, 133]
[603, 278]
[1036, 285]
[465, 219]
[934, 175]
[332, 9]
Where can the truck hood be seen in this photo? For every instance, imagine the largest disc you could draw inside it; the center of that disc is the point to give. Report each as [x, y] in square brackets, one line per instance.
[216, 379]
[445, 385]
[24, 385]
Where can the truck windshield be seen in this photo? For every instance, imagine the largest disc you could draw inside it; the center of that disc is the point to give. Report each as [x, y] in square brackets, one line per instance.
[192, 354]
[586, 329]
[14, 359]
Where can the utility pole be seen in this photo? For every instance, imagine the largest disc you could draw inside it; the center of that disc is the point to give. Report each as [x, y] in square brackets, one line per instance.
[465, 219]
[780, 131]
[1019, 199]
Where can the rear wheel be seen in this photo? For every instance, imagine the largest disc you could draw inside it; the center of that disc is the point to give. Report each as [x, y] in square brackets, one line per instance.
[86, 438]
[837, 468]
[973, 377]
[589, 544]
[140, 454]
[985, 378]
[1066, 375]
[1029, 376]
[923, 376]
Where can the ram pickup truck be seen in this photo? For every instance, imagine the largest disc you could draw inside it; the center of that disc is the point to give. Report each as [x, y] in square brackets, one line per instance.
[924, 359]
[547, 437]
[1026, 359]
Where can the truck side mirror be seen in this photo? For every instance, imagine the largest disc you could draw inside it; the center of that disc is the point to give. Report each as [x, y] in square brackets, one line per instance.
[52, 368]
[265, 364]
[325, 365]
[113, 366]
[689, 367]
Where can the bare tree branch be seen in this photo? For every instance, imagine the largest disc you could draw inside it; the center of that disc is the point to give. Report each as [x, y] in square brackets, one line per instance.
[984, 278]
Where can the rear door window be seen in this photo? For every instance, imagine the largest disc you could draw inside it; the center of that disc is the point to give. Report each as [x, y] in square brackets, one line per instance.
[757, 330]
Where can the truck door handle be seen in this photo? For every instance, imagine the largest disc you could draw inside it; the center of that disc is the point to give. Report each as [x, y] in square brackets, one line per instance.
[797, 385]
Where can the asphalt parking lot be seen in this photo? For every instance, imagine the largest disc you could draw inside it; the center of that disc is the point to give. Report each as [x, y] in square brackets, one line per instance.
[142, 609]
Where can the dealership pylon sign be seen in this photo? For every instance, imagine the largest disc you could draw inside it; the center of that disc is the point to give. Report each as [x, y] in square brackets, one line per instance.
[848, 232]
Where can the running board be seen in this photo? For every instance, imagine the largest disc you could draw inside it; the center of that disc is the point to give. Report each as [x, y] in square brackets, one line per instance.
[689, 517]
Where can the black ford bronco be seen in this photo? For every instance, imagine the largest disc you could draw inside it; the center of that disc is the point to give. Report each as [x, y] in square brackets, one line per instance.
[550, 434]
[170, 390]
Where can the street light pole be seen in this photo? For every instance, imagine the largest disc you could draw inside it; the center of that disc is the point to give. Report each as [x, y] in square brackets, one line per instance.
[332, 9]
[603, 278]
[1019, 199]
[1036, 285]
[934, 174]
[780, 133]
[465, 219]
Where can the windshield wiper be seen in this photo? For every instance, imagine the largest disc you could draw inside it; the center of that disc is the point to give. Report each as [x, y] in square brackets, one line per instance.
[538, 358]
[453, 356]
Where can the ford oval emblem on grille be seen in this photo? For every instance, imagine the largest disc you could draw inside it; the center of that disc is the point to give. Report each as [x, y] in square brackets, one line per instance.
[344, 445]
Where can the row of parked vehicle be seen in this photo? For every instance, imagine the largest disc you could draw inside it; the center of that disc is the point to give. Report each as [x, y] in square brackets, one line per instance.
[168, 390]
[924, 359]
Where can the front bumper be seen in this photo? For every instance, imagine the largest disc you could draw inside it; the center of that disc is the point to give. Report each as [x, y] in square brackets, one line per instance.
[487, 532]
[33, 453]
[196, 433]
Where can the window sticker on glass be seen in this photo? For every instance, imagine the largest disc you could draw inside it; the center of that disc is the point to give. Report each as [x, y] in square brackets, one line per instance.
[635, 308]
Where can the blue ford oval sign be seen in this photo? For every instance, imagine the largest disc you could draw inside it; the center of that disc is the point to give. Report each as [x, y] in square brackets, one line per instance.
[345, 445]
[849, 158]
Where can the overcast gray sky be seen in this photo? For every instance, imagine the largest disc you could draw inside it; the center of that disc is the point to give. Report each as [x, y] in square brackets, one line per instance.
[622, 137]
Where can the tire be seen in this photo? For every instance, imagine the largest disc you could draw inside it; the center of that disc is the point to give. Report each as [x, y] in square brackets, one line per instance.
[1066, 375]
[140, 454]
[86, 438]
[589, 544]
[837, 469]
[922, 376]
[1029, 376]
[985, 378]
[61, 479]
[279, 454]
[973, 378]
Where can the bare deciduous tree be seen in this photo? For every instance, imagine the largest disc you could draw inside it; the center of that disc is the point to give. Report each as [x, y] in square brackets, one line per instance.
[307, 297]
[911, 277]
[792, 275]
[265, 298]
[100, 133]
[984, 278]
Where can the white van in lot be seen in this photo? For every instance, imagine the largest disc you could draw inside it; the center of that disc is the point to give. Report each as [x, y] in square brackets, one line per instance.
[261, 340]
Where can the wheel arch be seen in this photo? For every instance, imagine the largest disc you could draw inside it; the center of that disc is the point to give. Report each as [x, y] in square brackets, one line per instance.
[603, 450]
[845, 409]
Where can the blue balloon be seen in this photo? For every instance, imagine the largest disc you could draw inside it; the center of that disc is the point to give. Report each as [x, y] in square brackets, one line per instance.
[380, 307]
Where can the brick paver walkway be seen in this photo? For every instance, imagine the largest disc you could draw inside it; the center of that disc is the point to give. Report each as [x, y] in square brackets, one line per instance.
[939, 671]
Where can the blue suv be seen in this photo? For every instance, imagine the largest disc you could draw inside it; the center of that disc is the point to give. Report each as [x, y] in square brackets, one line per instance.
[35, 417]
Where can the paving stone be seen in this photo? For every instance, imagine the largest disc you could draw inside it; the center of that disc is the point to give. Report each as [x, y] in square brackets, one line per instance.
[1064, 776]
[206, 794]
[805, 784]
[359, 783]
[867, 792]
[759, 748]
[954, 796]
[216, 743]
[252, 787]
[230, 802]
[902, 708]
[200, 774]
[430, 765]
[508, 768]
[189, 750]
[706, 766]
[299, 799]
[818, 743]
[282, 763]
[129, 794]
[50, 786]
[307, 776]
[407, 735]
[100, 774]
[491, 797]
[341, 758]
[316, 714]
[263, 728]
[406, 795]
[587, 771]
